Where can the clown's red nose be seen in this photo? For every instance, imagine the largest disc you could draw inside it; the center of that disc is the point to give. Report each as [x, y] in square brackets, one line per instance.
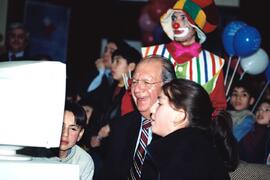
[175, 25]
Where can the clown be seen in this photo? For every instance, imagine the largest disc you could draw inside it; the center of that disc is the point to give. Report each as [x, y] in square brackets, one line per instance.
[186, 24]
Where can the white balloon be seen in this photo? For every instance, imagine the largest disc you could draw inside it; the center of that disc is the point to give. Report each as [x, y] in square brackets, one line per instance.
[256, 63]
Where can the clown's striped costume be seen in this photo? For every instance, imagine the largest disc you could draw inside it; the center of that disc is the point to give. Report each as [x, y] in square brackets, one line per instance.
[205, 69]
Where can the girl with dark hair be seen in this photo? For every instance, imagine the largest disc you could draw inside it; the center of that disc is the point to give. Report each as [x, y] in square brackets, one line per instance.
[194, 144]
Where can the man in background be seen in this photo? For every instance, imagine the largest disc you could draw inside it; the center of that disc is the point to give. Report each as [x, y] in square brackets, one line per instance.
[16, 43]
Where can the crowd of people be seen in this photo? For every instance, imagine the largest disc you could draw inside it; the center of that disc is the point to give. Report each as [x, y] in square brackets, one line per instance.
[162, 113]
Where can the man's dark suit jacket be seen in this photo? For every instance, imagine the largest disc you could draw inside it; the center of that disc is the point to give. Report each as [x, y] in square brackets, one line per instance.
[4, 57]
[121, 147]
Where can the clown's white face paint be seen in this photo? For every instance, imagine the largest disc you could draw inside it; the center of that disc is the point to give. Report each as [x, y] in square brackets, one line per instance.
[182, 29]
[181, 32]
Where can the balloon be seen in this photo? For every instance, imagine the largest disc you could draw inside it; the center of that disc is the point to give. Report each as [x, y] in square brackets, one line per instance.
[255, 63]
[247, 41]
[146, 23]
[156, 9]
[228, 35]
[158, 34]
[267, 72]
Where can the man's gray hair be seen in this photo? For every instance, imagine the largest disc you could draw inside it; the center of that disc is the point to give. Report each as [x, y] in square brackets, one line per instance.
[168, 72]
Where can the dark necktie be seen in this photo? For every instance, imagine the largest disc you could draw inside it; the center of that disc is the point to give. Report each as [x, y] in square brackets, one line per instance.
[135, 171]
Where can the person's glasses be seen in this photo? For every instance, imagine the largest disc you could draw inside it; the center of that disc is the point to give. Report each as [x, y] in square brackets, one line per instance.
[144, 83]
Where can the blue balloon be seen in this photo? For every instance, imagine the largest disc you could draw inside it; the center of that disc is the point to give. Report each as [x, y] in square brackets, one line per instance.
[247, 41]
[228, 35]
[267, 72]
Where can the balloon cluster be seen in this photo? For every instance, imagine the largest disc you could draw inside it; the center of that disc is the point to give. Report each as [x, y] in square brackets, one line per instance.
[244, 41]
[240, 39]
[149, 24]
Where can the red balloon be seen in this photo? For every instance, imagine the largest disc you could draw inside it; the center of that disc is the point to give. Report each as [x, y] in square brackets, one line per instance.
[146, 23]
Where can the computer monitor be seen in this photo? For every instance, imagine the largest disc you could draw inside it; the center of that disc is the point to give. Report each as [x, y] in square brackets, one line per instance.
[32, 99]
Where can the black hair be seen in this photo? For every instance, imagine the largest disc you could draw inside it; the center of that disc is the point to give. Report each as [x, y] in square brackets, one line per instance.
[119, 42]
[225, 141]
[78, 111]
[195, 101]
[129, 53]
[85, 101]
[245, 85]
[264, 100]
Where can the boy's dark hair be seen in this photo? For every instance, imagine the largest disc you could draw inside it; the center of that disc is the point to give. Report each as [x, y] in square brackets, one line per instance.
[129, 53]
[245, 85]
[78, 111]
[264, 100]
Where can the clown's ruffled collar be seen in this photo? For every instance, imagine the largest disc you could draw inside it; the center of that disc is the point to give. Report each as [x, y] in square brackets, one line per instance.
[183, 53]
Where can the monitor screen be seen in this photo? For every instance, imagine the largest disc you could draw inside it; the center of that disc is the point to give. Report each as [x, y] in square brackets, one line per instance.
[32, 98]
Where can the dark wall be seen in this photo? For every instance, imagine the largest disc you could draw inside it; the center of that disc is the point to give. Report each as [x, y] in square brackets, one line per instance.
[256, 14]
[90, 21]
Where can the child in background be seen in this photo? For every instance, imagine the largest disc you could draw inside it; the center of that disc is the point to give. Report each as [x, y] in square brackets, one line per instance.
[87, 106]
[124, 61]
[123, 64]
[255, 145]
[241, 99]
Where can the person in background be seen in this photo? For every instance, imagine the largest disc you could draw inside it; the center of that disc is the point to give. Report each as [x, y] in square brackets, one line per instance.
[124, 62]
[100, 88]
[17, 42]
[125, 132]
[193, 145]
[254, 147]
[186, 24]
[87, 106]
[241, 99]
[103, 65]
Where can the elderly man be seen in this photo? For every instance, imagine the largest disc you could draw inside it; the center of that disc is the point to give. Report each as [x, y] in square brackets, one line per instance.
[130, 134]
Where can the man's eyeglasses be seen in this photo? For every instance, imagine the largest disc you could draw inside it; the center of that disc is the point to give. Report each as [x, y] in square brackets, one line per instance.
[144, 83]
